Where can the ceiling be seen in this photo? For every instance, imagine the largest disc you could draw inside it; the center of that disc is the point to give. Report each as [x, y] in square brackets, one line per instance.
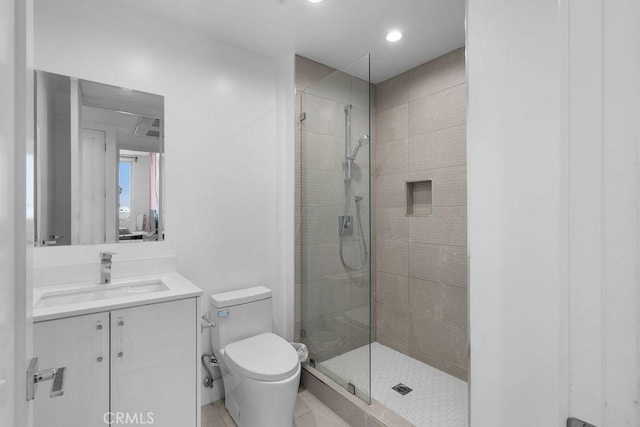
[121, 99]
[333, 32]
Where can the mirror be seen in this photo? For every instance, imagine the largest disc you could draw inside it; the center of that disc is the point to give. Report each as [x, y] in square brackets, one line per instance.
[99, 163]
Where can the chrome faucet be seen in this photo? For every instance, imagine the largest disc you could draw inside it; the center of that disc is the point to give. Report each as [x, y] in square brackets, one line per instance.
[105, 266]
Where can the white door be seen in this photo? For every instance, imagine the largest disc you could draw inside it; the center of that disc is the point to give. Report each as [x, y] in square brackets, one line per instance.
[92, 191]
[602, 325]
[81, 345]
[154, 364]
[16, 133]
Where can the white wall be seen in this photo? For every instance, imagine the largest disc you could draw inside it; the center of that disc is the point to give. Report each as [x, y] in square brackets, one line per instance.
[553, 137]
[226, 212]
[514, 212]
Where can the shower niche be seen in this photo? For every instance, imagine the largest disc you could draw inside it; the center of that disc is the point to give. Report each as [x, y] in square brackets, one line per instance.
[420, 198]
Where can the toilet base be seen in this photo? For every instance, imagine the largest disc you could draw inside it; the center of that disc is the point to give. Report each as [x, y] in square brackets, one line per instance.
[254, 403]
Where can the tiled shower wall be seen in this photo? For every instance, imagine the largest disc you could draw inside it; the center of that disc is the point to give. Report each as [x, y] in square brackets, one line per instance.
[421, 267]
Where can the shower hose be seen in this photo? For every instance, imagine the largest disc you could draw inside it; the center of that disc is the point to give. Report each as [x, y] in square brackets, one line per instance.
[342, 228]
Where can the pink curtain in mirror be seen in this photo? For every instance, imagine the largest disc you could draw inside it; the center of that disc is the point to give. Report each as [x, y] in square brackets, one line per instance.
[154, 190]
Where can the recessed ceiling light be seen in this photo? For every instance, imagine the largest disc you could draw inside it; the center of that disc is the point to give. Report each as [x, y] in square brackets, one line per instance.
[314, 1]
[394, 36]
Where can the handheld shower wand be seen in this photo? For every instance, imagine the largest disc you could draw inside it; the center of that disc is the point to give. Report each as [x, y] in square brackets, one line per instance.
[364, 140]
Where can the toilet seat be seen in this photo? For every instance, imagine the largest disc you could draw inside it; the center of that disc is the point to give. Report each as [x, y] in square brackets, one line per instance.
[264, 357]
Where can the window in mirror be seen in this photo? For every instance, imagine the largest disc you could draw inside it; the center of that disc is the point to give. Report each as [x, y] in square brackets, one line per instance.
[125, 176]
[99, 162]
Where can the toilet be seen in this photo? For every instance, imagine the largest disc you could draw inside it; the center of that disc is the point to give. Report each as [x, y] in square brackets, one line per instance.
[260, 370]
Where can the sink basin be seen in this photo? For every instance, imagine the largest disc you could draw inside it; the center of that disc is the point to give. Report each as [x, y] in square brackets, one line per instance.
[98, 292]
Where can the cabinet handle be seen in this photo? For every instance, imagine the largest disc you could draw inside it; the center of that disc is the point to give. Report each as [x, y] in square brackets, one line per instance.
[99, 329]
[120, 324]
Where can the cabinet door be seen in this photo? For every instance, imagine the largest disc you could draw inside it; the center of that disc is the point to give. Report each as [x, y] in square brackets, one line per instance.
[81, 344]
[154, 363]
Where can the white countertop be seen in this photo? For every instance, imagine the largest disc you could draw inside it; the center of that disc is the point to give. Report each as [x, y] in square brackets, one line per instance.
[178, 288]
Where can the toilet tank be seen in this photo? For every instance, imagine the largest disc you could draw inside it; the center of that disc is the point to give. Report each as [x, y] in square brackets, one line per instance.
[239, 314]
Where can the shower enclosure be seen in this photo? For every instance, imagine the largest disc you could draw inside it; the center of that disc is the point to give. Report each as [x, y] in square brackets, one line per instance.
[411, 355]
[334, 261]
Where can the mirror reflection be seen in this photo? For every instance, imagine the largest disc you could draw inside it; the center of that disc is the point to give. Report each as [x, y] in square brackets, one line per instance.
[99, 162]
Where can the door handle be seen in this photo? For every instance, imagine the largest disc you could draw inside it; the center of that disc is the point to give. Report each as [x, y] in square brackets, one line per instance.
[120, 324]
[34, 377]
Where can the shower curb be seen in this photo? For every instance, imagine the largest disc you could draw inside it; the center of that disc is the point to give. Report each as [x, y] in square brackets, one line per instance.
[350, 408]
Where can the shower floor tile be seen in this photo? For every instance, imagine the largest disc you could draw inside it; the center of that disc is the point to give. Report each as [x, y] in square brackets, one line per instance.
[437, 399]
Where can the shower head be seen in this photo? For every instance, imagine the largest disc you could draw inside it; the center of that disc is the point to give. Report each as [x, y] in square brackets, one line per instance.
[362, 141]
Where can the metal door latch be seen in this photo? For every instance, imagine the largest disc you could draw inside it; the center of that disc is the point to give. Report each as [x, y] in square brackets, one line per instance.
[34, 377]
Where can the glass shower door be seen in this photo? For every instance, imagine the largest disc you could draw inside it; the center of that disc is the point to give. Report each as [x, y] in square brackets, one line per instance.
[335, 227]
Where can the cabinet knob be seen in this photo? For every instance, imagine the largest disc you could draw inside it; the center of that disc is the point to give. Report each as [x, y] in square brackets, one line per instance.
[120, 354]
[99, 359]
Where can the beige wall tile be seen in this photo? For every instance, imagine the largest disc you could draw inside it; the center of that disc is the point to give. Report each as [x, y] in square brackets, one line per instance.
[335, 86]
[322, 152]
[442, 341]
[437, 301]
[438, 263]
[359, 125]
[322, 188]
[451, 214]
[392, 290]
[437, 230]
[392, 124]
[392, 257]
[441, 73]
[321, 224]
[324, 297]
[439, 110]
[392, 157]
[360, 93]
[297, 267]
[439, 148]
[374, 319]
[391, 342]
[297, 326]
[327, 261]
[322, 115]
[390, 190]
[448, 184]
[391, 223]
[308, 72]
[392, 323]
[451, 369]
[392, 92]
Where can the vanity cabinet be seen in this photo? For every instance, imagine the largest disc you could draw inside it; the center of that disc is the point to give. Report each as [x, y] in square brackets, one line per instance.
[153, 362]
[81, 344]
[139, 361]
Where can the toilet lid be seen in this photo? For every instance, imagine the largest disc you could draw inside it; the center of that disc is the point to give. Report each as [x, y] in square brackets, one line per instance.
[264, 357]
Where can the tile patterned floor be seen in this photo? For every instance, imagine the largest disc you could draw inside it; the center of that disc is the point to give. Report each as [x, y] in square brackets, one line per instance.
[308, 412]
[437, 400]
